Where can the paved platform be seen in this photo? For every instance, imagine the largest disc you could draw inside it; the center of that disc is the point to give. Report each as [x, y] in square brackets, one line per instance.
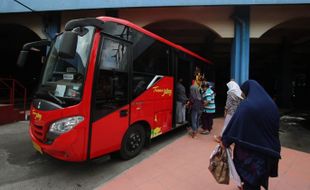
[183, 165]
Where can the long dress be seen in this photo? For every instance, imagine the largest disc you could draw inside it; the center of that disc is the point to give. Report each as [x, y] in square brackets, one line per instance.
[232, 102]
[254, 130]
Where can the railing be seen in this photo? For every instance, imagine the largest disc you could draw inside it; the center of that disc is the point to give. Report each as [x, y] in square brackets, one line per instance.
[13, 88]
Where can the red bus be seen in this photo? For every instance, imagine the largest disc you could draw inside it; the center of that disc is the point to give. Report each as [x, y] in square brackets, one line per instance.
[107, 86]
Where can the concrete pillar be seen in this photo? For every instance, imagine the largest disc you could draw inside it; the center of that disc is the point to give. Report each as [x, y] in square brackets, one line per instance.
[51, 25]
[241, 45]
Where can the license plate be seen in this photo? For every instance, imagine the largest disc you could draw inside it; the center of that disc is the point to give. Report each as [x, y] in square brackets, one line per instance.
[37, 147]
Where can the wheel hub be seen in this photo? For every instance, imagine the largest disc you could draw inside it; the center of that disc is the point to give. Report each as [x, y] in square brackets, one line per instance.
[134, 142]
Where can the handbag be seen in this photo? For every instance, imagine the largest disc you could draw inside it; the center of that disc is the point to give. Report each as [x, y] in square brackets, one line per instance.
[218, 165]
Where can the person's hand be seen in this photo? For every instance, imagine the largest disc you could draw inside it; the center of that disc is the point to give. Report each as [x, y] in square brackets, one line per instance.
[222, 145]
[217, 138]
[187, 104]
[205, 103]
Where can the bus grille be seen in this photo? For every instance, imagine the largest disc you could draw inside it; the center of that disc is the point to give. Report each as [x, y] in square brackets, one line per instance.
[39, 132]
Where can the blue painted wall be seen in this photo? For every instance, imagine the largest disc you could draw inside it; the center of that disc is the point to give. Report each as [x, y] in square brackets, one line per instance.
[11, 6]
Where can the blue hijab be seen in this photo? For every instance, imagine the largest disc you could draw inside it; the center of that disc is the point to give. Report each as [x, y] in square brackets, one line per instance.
[255, 124]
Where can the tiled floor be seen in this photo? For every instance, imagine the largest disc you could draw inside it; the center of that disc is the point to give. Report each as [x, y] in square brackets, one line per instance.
[183, 165]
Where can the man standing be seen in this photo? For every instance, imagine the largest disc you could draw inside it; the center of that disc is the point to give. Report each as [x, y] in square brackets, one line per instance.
[181, 102]
[196, 104]
[208, 97]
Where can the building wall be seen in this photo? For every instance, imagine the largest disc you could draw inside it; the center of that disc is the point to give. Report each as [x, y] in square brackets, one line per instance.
[32, 21]
[218, 19]
[68, 15]
[215, 18]
[263, 18]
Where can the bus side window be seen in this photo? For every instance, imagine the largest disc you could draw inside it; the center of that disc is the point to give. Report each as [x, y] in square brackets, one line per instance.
[150, 58]
[140, 82]
[140, 87]
[153, 58]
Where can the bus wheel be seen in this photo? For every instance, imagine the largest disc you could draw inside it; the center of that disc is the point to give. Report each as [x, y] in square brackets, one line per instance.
[133, 142]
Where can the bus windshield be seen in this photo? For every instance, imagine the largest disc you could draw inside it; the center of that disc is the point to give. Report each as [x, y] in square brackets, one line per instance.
[63, 78]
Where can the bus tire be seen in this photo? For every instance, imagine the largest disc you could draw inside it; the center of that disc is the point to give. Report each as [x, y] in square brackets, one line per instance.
[132, 142]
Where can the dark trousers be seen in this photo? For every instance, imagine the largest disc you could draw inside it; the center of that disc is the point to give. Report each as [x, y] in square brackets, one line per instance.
[207, 121]
[195, 120]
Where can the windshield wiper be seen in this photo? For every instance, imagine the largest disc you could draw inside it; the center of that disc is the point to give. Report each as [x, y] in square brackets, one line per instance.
[55, 98]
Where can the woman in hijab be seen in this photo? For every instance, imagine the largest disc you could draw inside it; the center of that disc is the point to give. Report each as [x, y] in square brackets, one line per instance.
[234, 98]
[254, 131]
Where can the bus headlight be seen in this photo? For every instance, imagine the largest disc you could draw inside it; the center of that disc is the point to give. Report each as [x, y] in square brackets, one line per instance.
[65, 125]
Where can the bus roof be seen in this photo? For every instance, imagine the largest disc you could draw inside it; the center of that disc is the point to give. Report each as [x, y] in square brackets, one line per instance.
[140, 29]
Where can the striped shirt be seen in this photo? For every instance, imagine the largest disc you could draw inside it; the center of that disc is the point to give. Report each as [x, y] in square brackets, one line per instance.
[209, 96]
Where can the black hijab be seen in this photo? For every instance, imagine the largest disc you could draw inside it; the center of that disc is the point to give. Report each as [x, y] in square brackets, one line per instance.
[255, 124]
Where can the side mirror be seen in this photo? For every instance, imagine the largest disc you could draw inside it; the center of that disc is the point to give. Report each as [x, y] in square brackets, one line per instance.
[22, 57]
[68, 43]
[30, 46]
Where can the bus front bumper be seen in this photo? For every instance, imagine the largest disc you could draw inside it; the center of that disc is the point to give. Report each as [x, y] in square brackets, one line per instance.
[63, 147]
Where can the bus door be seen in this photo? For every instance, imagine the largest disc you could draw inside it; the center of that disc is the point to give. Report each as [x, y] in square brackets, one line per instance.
[185, 72]
[110, 106]
[182, 71]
